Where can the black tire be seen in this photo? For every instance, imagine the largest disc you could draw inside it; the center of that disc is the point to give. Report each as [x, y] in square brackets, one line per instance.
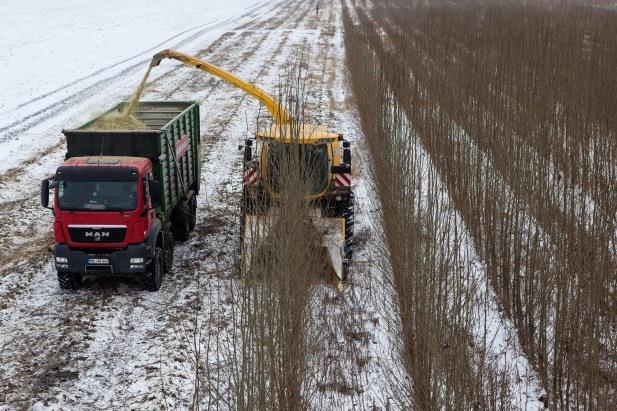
[182, 224]
[348, 214]
[169, 253]
[344, 209]
[340, 209]
[155, 271]
[193, 213]
[242, 216]
[246, 206]
[69, 281]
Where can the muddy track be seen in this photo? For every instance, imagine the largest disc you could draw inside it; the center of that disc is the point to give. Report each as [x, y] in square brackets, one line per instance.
[67, 323]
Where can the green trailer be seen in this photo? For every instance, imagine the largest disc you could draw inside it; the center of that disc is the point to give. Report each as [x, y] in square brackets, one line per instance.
[172, 130]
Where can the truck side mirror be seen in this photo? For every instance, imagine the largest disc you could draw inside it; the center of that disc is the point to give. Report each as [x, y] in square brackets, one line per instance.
[155, 193]
[45, 193]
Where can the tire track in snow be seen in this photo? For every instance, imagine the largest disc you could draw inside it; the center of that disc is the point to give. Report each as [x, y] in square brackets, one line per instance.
[41, 115]
[200, 30]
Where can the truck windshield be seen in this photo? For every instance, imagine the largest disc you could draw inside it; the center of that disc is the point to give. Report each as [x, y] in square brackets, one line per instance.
[313, 162]
[97, 195]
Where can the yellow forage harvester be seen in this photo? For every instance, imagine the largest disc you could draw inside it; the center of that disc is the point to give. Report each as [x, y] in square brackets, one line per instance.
[324, 164]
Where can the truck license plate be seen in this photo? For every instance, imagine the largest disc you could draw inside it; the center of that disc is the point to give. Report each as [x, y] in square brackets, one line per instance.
[98, 261]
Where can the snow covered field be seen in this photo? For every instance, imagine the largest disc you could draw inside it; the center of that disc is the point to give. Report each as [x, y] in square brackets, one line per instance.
[78, 58]
[110, 344]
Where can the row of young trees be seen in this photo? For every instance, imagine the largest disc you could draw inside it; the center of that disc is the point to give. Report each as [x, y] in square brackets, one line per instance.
[514, 104]
[268, 351]
[440, 301]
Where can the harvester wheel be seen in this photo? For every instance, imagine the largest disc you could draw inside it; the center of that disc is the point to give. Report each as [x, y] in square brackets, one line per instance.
[247, 203]
[243, 211]
[69, 281]
[348, 214]
[155, 271]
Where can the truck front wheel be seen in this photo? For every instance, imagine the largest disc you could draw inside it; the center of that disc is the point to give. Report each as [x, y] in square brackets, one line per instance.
[155, 271]
[69, 281]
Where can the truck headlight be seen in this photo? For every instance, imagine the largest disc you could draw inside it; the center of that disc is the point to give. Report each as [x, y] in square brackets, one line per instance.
[62, 260]
[138, 260]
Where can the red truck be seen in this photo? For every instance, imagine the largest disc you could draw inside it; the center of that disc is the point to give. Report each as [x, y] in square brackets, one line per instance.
[123, 197]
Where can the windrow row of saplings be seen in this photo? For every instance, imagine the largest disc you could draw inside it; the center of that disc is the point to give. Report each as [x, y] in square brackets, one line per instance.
[425, 260]
[513, 102]
[266, 357]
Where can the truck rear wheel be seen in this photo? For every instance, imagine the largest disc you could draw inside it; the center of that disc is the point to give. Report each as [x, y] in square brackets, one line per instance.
[69, 281]
[193, 213]
[155, 271]
[169, 253]
[182, 224]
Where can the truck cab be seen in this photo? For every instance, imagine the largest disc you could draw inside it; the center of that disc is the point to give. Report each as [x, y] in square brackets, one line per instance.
[105, 218]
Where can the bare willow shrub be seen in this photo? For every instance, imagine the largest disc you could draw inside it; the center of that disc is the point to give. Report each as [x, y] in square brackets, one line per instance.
[260, 356]
[432, 280]
[272, 368]
[532, 86]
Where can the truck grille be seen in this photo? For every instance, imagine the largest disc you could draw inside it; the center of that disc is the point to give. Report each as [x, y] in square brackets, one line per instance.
[100, 234]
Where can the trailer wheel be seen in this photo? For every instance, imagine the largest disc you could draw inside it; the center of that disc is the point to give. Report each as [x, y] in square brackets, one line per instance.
[169, 253]
[69, 281]
[182, 224]
[155, 270]
[193, 213]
